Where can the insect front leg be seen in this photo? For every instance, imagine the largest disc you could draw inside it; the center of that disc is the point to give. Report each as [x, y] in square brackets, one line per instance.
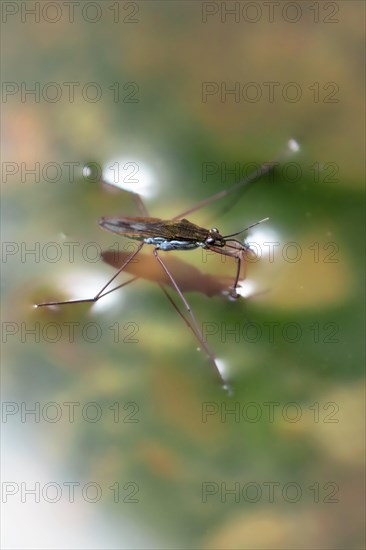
[233, 292]
[238, 255]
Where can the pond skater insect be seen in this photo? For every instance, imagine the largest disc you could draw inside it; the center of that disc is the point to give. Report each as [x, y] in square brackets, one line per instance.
[178, 234]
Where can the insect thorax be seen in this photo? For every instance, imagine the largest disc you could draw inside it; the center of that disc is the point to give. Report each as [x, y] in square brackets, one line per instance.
[173, 244]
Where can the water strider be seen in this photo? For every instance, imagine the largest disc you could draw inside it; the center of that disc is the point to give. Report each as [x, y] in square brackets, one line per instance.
[178, 234]
[169, 235]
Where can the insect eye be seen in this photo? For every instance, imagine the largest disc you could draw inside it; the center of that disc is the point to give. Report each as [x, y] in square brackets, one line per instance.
[214, 230]
[210, 240]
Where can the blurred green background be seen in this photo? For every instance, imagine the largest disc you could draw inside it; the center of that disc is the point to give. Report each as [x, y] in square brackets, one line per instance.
[167, 50]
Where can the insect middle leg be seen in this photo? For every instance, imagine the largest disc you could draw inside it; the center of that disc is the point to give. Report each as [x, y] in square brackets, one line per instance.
[101, 293]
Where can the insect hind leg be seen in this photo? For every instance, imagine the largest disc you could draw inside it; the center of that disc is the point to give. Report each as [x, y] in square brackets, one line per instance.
[193, 324]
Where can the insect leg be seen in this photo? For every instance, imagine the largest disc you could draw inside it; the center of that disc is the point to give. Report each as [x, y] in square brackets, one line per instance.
[119, 286]
[194, 326]
[265, 168]
[140, 204]
[101, 292]
[136, 197]
[142, 208]
[251, 178]
[183, 317]
[234, 294]
[238, 257]
[187, 322]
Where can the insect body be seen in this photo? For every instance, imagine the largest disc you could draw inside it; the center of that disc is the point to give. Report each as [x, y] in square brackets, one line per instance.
[181, 234]
[177, 234]
[164, 234]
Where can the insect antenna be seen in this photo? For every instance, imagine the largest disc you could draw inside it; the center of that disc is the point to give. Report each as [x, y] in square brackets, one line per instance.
[246, 229]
